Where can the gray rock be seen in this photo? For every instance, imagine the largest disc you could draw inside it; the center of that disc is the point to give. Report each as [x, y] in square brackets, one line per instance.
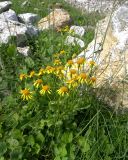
[28, 18]
[9, 15]
[19, 31]
[70, 40]
[78, 30]
[104, 6]
[4, 6]
[120, 26]
[24, 50]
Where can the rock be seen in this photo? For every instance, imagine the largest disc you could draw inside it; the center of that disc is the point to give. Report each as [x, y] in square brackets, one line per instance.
[9, 15]
[16, 30]
[56, 19]
[24, 50]
[28, 18]
[104, 6]
[78, 30]
[70, 40]
[4, 6]
[110, 51]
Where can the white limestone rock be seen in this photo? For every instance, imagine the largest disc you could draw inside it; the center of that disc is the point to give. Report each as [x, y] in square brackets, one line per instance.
[9, 15]
[78, 30]
[4, 6]
[19, 31]
[24, 50]
[70, 40]
[28, 18]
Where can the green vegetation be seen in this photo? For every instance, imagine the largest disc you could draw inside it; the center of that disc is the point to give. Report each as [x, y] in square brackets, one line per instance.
[48, 126]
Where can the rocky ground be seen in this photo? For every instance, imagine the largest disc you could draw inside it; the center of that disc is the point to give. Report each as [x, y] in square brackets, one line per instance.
[104, 6]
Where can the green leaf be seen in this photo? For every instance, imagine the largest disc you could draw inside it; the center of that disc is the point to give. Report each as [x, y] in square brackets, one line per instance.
[3, 148]
[109, 149]
[2, 158]
[85, 147]
[40, 137]
[62, 151]
[67, 137]
[13, 143]
[31, 140]
[29, 61]
[11, 50]
[107, 158]
[16, 155]
[57, 158]
[37, 148]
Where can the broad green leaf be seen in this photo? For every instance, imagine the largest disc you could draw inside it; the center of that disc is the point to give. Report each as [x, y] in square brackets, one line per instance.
[3, 148]
[67, 137]
[11, 50]
[31, 140]
[40, 137]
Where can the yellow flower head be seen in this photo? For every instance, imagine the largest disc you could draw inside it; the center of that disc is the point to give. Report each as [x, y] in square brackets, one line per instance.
[26, 94]
[73, 71]
[70, 63]
[82, 78]
[92, 63]
[49, 69]
[32, 73]
[57, 62]
[38, 82]
[22, 76]
[41, 71]
[56, 55]
[72, 83]
[59, 69]
[66, 29]
[80, 61]
[62, 52]
[62, 91]
[92, 79]
[45, 89]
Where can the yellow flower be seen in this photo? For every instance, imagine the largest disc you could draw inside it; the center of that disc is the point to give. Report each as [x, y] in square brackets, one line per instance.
[62, 91]
[26, 94]
[82, 78]
[22, 76]
[73, 71]
[38, 82]
[92, 79]
[62, 52]
[92, 63]
[80, 61]
[70, 63]
[32, 73]
[41, 71]
[56, 55]
[72, 83]
[66, 29]
[45, 89]
[57, 62]
[49, 69]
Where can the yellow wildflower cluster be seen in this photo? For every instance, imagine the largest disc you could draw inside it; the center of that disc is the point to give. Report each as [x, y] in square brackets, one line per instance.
[71, 75]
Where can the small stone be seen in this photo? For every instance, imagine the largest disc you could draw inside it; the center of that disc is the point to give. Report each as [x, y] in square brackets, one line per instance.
[78, 30]
[70, 40]
[24, 50]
